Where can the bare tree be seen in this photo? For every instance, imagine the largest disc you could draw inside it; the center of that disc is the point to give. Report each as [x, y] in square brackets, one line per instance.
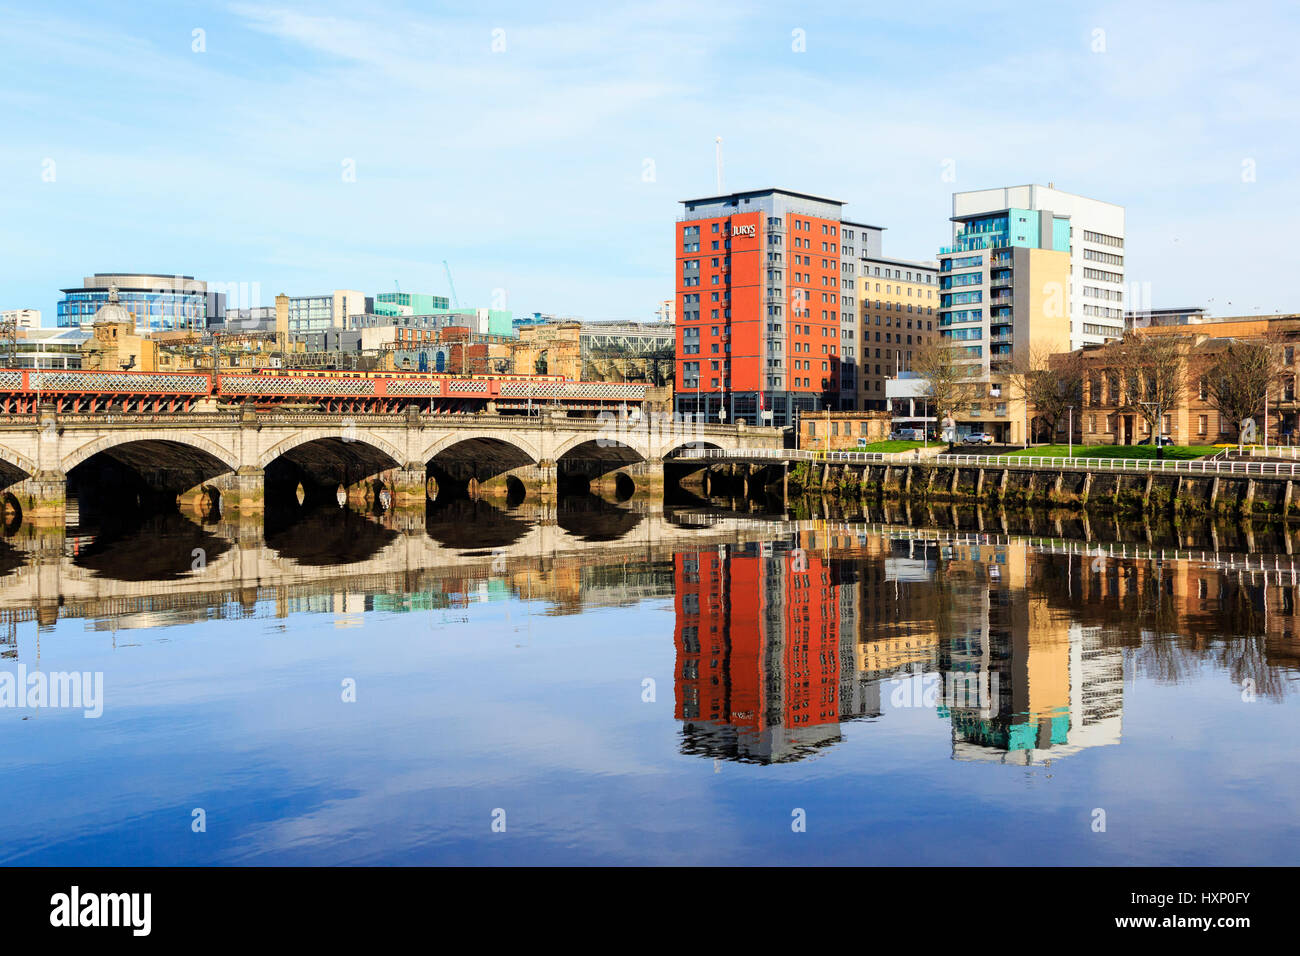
[1048, 383]
[1240, 375]
[948, 383]
[1153, 370]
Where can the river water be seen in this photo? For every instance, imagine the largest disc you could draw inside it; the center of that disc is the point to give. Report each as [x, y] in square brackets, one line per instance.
[597, 684]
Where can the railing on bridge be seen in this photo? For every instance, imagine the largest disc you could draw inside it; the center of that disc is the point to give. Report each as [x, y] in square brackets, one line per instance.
[1196, 466]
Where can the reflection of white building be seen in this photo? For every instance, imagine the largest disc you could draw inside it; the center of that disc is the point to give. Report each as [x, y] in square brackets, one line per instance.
[1090, 716]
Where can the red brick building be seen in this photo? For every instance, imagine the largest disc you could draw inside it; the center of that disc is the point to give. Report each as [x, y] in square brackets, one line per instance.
[766, 285]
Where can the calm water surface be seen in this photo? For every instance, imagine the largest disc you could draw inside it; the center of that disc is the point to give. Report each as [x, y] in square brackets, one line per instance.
[624, 687]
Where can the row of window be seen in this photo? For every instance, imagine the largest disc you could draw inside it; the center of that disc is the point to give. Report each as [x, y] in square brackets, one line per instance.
[1101, 239]
[1106, 258]
[1102, 275]
[1100, 311]
[897, 307]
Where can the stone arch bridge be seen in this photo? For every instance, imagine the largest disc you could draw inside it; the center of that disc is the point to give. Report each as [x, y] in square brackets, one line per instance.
[241, 457]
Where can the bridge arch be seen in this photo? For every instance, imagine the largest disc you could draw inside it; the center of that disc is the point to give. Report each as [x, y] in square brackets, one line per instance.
[313, 466]
[475, 461]
[14, 467]
[142, 468]
[460, 436]
[331, 436]
[139, 436]
[614, 443]
[670, 453]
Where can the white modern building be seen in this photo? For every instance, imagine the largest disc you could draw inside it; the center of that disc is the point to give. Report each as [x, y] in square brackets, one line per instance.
[1096, 293]
[330, 310]
[21, 318]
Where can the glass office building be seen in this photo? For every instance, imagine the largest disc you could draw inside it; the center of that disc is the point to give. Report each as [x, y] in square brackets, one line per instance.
[157, 302]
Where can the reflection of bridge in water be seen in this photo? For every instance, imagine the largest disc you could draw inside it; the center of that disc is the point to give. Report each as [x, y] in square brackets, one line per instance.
[784, 629]
[583, 551]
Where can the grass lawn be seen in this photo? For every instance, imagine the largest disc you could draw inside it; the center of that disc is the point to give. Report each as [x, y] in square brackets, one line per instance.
[1116, 451]
[891, 446]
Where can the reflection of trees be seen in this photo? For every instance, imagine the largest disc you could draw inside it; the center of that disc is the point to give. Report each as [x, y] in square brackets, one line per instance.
[1166, 636]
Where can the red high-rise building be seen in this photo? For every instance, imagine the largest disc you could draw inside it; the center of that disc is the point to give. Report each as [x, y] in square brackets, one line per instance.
[767, 320]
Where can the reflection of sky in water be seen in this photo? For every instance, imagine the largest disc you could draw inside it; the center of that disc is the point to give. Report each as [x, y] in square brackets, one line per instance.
[498, 702]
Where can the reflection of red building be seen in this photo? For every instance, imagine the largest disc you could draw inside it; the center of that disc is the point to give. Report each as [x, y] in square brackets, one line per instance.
[758, 652]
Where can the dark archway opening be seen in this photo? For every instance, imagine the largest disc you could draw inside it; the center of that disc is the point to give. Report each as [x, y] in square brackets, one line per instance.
[461, 468]
[585, 463]
[137, 478]
[13, 514]
[684, 477]
[516, 493]
[311, 475]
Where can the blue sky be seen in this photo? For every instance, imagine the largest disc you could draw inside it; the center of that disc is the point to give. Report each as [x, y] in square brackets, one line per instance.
[525, 167]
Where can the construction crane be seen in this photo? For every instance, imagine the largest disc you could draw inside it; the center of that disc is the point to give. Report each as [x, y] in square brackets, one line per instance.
[455, 303]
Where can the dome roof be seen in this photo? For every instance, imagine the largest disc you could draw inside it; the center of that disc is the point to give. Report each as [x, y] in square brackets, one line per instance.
[112, 310]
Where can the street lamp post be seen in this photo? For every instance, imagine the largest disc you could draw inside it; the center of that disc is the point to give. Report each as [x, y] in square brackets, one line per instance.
[1266, 421]
[1069, 433]
[1159, 430]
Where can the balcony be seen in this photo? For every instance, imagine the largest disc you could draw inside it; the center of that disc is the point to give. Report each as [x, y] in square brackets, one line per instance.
[974, 243]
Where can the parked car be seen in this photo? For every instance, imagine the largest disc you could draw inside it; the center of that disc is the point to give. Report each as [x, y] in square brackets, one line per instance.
[907, 434]
[978, 438]
[1163, 440]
